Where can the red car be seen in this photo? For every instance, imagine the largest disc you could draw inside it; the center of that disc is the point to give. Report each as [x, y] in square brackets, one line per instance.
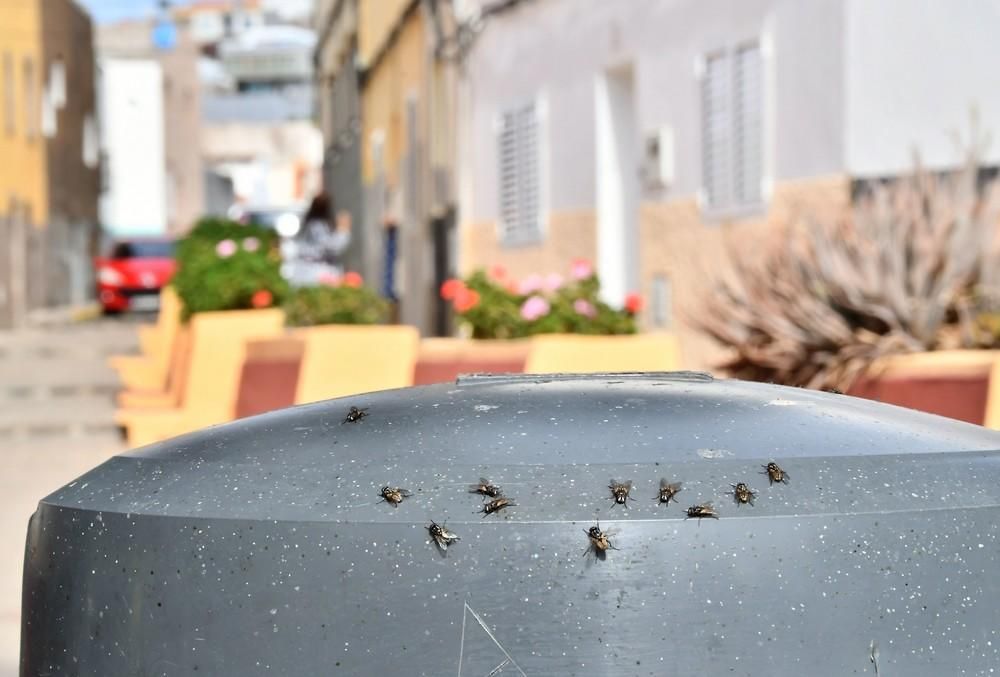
[131, 276]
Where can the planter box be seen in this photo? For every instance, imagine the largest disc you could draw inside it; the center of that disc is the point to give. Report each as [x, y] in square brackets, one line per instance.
[270, 375]
[441, 360]
[952, 383]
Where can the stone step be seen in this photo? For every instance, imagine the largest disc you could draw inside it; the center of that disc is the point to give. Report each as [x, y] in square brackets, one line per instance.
[62, 374]
[72, 417]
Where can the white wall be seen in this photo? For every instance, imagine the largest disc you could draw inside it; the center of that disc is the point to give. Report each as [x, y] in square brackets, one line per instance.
[914, 70]
[558, 48]
[131, 92]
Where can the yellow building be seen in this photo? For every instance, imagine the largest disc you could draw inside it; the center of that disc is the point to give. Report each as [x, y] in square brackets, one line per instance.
[49, 156]
[22, 151]
[405, 100]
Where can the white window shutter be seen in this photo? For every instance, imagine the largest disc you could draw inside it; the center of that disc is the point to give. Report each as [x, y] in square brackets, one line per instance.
[716, 126]
[747, 125]
[518, 191]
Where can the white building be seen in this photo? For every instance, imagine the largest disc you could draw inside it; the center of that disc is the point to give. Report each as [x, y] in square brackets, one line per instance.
[638, 134]
[134, 200]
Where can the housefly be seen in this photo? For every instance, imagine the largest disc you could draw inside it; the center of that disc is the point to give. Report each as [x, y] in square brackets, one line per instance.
[354, 415]
[668, 491]
[496, 505]
[775, 473]
[441, 536]
[620, 492]
[485, 488]
[702, 510]
[743, 494]
[393, 495]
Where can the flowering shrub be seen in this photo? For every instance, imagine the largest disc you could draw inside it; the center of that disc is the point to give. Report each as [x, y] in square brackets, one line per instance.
[224, 265]
[495, 306]
[339, 300]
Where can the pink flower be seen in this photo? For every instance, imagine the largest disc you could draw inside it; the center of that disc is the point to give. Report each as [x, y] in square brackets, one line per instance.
[534, 308]
[553, 281]
[251, 244]
[329, 279]
[225, 248]
[584, 307]
[531, 284]
[581, 269]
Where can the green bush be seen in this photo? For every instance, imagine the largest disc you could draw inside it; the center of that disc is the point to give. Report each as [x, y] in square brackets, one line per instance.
[343, 304]
[223, 265]
[493, 306]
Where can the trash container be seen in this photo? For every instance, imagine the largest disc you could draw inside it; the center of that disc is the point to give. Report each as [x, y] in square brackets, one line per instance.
[363, 536]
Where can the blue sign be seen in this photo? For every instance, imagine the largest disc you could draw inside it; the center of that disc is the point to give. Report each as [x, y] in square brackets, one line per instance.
[165, 35]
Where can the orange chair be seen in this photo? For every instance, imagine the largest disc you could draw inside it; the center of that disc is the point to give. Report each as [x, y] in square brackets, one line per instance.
[574, 353]
[341, 360]
[150, 370]
[211, 379]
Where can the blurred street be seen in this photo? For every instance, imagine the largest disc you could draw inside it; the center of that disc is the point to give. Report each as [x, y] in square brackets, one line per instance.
[56, 422]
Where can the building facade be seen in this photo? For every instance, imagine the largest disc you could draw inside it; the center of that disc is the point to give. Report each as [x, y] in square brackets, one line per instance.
[150, 100]
[387, 108]
[647, 136]
[49, 178]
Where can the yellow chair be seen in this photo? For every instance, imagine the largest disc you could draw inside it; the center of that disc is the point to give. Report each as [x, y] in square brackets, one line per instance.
[211, 381]
[573, 353]
[171, 396]
[341, 360]
[149, 371]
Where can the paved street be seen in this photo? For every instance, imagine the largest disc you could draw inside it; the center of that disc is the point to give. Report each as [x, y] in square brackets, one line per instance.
[56, 408]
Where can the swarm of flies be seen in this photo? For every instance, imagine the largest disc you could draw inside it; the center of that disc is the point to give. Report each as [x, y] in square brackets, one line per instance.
[440, 535]
[743, 494]
[620, 492]
[775, 473]
[668, 491]
[599, 541]
[702, 510]
[393, 495]
[354, 415]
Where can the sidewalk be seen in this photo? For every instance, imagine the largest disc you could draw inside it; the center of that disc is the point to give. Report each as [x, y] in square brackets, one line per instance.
[56, 408]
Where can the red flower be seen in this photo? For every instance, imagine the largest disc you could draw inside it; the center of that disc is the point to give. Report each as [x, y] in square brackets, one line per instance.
[451, 288]
[633, 303]
[352, 279]
[466, 300]
[261, 298]
[498, 272]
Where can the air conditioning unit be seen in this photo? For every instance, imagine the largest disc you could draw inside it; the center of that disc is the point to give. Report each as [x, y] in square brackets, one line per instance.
[658, 159]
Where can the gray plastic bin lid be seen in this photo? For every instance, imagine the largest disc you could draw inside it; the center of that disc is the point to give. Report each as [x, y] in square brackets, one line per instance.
[263, 547]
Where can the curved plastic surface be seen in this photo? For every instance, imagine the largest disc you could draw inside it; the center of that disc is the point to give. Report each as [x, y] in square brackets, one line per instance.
[261, 547]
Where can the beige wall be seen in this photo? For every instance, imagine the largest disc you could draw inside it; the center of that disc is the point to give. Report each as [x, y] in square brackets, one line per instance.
[376, 21]
[676, 241]
[399, 76]
[568, 235]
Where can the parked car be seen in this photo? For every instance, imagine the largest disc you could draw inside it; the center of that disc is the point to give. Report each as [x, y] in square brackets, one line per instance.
[131, 275]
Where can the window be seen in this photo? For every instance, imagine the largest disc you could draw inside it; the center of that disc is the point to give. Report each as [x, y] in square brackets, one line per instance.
[732, 127]
[32, 113]
[662, 302]
[8, 95]
[519, 176]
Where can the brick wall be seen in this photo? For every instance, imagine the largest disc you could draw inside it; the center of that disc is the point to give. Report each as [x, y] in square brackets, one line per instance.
[568, 235]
